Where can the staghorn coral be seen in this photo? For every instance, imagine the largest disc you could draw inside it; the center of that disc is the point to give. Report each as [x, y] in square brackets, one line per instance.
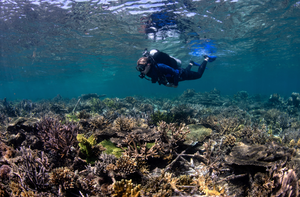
[124, 124]
[58, 138]
[90, 184]
[136, 149]
[33, 170]
[17, 190]
[101, 164]
[285, 183]
[83, 114]
[158, 185]
[171, 136]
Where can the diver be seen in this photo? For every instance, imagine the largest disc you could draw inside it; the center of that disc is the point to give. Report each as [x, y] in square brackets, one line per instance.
[164, 71]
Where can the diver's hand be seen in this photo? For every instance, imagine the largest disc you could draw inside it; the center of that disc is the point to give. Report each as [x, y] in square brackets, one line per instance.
[171, 85]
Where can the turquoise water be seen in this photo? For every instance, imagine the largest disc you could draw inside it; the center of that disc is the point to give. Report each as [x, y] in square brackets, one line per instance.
[78, 47]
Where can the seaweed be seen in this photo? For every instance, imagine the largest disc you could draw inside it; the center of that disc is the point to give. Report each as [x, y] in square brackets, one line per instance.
[111, 148]
[89, 147]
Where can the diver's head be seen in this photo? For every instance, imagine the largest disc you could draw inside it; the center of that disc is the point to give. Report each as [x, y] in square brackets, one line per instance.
[143, 65]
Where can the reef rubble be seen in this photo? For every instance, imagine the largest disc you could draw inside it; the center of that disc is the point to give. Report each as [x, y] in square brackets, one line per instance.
[197, 144]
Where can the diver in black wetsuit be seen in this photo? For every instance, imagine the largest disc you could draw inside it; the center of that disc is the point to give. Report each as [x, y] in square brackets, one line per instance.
[163, 70]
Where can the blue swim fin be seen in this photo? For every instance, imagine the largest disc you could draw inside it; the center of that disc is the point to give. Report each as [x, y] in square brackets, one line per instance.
[211, 58]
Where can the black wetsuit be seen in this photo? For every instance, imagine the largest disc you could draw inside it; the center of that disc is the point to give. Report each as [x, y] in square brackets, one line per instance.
[175, 75]
[187, 74]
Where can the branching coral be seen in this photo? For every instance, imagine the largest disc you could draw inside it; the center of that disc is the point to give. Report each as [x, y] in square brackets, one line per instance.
[136, 149]
[229, 140]
[206, 186]
[285, 183]
[171, 135]
[101, 164]
[125, 188]
[57, 137]
[280, 181]
[32, 171]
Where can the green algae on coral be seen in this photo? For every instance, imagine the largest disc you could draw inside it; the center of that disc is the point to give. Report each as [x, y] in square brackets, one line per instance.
[111, 148]
[197, 133]
[86, 147]
[71, 118]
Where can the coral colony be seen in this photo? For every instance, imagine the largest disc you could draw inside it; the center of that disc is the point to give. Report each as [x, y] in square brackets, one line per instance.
[199, 144]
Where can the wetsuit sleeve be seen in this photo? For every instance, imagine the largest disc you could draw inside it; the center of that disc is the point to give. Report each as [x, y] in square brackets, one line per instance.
[167, 70]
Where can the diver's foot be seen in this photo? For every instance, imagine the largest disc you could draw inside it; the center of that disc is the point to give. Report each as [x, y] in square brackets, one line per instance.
[192, 63]
[210, 58]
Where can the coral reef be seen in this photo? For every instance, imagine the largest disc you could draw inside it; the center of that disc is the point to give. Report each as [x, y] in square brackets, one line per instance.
[200, 144]
[57, 137]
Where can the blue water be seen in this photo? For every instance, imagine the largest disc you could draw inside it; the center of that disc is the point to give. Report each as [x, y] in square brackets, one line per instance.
[72, 48]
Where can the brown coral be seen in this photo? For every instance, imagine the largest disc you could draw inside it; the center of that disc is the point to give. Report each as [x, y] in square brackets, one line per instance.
[32, 170]
[229, 140]
[125, 166]
[99, 122]
[63, 177]
[124, 124]
[125, 188]
[171, 136]
[136, 149]
[258, 155]
[58, 137]
[6, 151]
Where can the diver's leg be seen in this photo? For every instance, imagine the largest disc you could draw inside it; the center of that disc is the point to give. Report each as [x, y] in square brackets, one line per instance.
[201, 68]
